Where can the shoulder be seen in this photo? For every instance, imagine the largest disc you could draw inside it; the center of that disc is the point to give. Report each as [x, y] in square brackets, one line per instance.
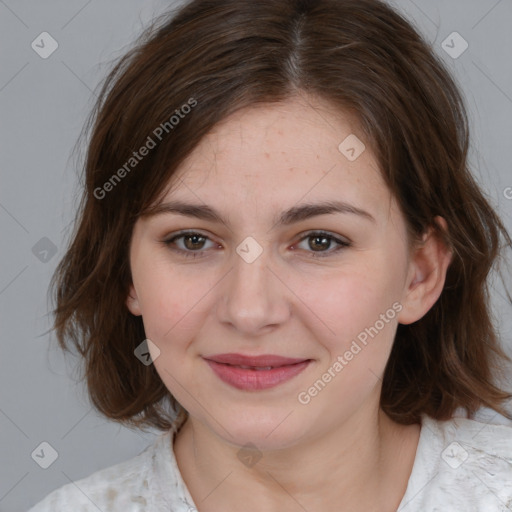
[119, 488]
[477, 435]
[461, 464]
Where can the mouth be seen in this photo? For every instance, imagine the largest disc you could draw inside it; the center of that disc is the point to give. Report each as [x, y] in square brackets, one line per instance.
[253, 373]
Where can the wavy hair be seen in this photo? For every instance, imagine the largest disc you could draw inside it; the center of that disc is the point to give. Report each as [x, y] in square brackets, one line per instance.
[358, 55]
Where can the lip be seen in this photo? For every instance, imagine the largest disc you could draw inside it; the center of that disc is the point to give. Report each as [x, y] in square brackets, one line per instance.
[259, 361]
[228, 367]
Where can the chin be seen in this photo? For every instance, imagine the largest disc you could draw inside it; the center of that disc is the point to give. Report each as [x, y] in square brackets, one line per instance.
[265, 430]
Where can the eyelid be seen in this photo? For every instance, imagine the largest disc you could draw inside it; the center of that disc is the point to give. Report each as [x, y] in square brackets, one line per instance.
[168, 240]
[342, 242]
[320, 232]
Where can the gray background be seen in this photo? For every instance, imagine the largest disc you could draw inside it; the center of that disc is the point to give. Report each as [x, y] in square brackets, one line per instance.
[43, 105]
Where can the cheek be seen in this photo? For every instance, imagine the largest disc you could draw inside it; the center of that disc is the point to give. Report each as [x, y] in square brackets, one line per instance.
[171, 300]
[361, 308]
[171, 307]
[348, 302]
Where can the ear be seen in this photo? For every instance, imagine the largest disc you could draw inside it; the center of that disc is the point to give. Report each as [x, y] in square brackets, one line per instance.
[427, 274]
[132, 302]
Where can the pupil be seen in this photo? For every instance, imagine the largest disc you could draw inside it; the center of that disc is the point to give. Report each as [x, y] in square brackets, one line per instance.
[194, 239]
[324, 240]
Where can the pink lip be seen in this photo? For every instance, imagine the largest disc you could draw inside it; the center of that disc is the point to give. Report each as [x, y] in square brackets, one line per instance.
[227, 368]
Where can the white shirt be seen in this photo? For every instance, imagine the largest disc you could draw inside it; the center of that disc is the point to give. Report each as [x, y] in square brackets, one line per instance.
[460, 465]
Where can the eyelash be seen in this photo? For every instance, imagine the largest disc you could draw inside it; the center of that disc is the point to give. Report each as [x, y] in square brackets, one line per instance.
[313, 234]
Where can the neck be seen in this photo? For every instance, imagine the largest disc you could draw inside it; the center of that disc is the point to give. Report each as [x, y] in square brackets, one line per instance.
[364, 464]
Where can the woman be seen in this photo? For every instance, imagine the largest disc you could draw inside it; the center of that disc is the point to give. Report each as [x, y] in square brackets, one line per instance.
[281, 262]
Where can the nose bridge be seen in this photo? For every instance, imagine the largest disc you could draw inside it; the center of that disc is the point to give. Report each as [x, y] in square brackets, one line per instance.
[249, 279]
[252, 296]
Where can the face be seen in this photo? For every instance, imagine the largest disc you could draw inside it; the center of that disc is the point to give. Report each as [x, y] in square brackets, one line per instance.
[325, 290]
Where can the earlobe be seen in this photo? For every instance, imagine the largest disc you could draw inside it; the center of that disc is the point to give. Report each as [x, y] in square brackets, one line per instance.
[132, 302]
[429, 264]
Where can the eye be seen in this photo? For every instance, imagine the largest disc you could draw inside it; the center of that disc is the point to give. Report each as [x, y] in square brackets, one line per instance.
[319, 240]
[192, 243]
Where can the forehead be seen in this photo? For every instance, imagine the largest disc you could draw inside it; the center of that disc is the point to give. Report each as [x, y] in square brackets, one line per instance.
[278, 154]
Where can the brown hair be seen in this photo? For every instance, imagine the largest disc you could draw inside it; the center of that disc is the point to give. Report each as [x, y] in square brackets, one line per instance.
[218, 56]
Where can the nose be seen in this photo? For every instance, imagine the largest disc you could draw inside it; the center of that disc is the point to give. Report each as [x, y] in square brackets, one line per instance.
[254, 296]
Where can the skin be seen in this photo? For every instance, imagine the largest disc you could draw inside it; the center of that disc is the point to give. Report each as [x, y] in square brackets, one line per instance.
[339, 451]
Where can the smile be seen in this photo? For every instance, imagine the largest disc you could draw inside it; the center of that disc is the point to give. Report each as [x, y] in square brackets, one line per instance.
[262, 372]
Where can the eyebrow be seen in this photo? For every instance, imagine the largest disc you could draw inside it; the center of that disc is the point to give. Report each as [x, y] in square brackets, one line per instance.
[295, 214]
